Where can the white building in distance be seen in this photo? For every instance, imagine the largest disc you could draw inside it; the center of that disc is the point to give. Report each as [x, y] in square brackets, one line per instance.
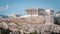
[15, 15]
[58, 13]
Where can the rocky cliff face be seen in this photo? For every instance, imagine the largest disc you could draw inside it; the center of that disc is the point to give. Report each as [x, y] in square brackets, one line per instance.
[40, 24]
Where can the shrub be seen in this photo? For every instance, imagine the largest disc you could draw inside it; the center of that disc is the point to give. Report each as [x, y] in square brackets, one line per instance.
[35, 32]
[4, 31]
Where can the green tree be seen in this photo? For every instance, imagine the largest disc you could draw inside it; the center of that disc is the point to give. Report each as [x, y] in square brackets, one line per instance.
[4, 31]
[35, 32]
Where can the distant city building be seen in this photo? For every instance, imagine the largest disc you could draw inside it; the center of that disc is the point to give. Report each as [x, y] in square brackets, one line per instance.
[15, 15]
[58, 13]
[57, 18]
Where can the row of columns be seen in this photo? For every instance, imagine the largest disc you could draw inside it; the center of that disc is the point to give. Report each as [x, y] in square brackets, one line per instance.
[32, 12]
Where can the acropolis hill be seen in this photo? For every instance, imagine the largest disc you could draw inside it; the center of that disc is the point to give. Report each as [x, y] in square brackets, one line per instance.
[37, 19]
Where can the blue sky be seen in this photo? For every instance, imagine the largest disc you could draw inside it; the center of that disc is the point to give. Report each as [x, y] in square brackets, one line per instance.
[18, 6]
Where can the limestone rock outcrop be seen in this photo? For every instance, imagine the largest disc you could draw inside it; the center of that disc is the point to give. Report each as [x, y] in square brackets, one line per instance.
[31, 24]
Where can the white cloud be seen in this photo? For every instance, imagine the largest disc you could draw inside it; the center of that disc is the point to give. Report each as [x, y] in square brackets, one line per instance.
[4, 8]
